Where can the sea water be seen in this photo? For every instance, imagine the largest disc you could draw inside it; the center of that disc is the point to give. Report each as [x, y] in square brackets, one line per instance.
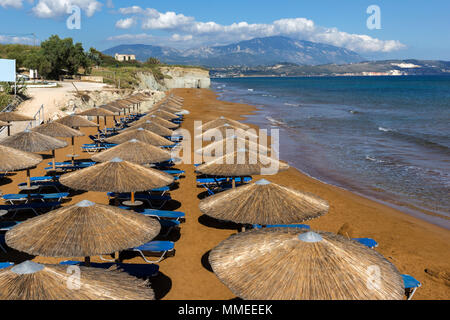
[384, 137]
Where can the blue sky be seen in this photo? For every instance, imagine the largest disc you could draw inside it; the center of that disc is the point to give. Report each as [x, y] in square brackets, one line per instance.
[409, 28]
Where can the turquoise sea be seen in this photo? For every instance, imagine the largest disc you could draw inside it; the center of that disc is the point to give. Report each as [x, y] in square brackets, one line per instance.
[384, 137]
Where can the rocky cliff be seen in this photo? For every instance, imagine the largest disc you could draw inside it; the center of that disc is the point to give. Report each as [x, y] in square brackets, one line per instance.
[175, 77]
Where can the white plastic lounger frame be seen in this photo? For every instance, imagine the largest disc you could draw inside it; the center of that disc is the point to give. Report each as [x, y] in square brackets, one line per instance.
[161, 258]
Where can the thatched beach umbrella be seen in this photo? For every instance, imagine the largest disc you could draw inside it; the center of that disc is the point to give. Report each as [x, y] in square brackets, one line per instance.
[153, 127]
[158, 120]
[294, 264]
[4, 124]
[242, 163]
[231, 144]
[116, 175]
[32, 141]
[134, 151]
[116, 110]
[264, 203]
[13, 116]
[82, 230]
[12, 159]
[164, 114]
[226, 131]
[221, 121]
[97, 112]
[176, 111]
[141, 135]
[111, 108]
[55, 129]
[33, 281]
[76, 121]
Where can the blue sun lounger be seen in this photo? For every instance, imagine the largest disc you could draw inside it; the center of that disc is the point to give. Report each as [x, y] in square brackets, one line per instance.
[43, 184]
[44, 179]
[4, 265]
[164, 214]
[301, 226]
[370, 243]
[11, 198]
[176, 173]
[34, 206]
[7, 225]
[137, 270]
[174, 138]
[223, 180]
[160, 214]
[411, 285]
[161, 249]
[69, 163]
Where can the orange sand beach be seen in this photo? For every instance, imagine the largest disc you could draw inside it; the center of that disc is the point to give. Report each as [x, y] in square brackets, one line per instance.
[414, 246]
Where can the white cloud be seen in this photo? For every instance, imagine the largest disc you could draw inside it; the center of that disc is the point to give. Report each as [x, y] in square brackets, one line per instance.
[125, 23]
[212, 32]
[17, 40]
[57, 8]
[109, 4]
[17, 4]
[177, 37]
[132, 37]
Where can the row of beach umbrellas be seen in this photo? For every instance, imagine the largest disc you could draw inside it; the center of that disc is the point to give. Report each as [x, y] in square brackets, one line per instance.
[84, 229]
[283, 263]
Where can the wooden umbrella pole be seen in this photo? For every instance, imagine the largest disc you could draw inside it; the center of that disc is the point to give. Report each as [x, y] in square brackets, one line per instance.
[104, 118]
[87, 261]
[54, 159]
[73, 151]
[9, 129]
[233, 183]
[132, 197]
[98, 120]
[28, 178]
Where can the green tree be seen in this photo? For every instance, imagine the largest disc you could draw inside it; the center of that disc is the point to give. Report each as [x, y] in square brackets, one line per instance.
[64, 56]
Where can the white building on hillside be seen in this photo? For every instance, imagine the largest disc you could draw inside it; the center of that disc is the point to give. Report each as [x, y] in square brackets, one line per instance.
[125, 57]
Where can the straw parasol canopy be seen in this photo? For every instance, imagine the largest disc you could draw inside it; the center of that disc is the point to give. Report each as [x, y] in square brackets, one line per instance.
[76, 121]
[141, 135]
[225, 131]
[4, 124]
[170, 108]
[134, 151]
[116, 176]
[33, 281]
[158, 120]
[96, 112]
[82, 230]
[264, 203]
[232, 143]
[14, 116]
[294, 264]
[242, 163]
[55, 129]
[221, 121]
[12, 159]
[164, 114]
[120, 104]
[153, 127]
[111, 108]
[32, 141]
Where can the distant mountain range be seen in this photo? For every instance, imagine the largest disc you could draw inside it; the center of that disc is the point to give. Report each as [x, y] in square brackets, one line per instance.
[367, 68]
[251, 53]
